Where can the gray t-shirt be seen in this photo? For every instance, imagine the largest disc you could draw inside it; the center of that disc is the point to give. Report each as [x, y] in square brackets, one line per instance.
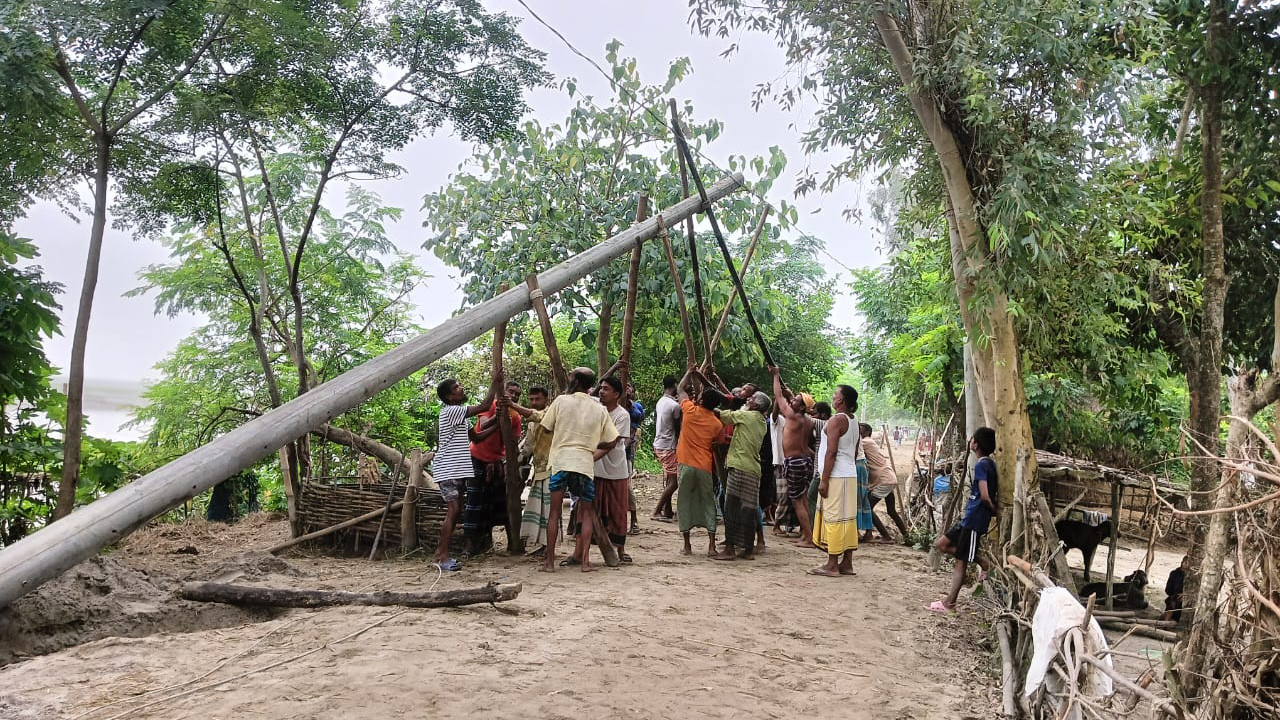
[668, 414]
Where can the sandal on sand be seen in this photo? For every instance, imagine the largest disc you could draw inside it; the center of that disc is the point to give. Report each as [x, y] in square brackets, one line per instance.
[570, 561]
[625, 559]
[938, 607]
[450, 565]
[821, 573]
[635, 530]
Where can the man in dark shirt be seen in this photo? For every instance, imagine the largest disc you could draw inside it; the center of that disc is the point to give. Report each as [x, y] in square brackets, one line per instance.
[1173, 591]
[963, 540]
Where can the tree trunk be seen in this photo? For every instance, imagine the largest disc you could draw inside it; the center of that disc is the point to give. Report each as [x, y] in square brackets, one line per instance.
[282, 597]
[74, 432]
[998, 367]
[633, 281]
[1204, 381]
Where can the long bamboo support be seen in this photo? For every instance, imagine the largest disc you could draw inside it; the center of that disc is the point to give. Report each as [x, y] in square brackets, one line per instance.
[42, 556]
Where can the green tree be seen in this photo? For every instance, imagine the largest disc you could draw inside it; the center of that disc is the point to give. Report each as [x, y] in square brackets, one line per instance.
[559, 189]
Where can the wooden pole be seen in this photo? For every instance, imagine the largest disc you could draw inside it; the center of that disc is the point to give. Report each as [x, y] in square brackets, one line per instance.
[288, 597]
[733, 294]
[1115, 536]
[685, 170]
[510, 446]
[408, 510]
[633, 279]
[41, 556]
[548, 333]
[331, 529]
[680, 301]
[724, 248]
[382, 521]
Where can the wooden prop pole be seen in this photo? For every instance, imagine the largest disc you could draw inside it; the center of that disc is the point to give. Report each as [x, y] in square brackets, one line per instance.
[39, 557]
[331, 529]
[382, 521]
[408, 518]
[686, 167]
[681, 304]
[724, 248]
[287, 597]
[1115, 536]
[510, 446]
[733, 294]
[548, 333]
[633, 280]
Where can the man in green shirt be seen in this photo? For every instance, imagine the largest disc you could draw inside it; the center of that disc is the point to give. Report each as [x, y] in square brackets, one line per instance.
[742, 487]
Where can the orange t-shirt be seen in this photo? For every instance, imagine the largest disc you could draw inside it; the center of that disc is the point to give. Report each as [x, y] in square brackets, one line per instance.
[698, 430]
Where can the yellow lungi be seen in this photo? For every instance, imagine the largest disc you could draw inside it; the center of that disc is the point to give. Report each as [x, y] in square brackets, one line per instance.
[836, 525]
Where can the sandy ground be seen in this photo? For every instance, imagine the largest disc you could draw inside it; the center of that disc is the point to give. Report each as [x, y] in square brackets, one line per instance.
[669, 637]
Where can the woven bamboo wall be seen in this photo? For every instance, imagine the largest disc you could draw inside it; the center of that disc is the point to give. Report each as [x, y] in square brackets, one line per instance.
[324, 505]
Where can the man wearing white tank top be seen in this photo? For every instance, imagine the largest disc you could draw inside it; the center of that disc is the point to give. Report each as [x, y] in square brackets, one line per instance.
[836, 525]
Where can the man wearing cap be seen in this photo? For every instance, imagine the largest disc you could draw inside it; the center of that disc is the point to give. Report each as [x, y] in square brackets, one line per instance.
[797, 451]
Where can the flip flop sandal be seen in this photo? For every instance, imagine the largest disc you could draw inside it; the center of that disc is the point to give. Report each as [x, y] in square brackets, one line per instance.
[635, 530]
[938, 607]
[450, 565]
[570, 562]
[625, 559]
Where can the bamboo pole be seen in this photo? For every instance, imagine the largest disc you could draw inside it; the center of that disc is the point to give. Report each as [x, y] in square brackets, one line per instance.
[681, 304]
[724, 248]
[331, 529]
[685, 171]
[514, 484]
[42, 556]
[733, 294]
[633, 280]
[1115, 537]
[548, 333]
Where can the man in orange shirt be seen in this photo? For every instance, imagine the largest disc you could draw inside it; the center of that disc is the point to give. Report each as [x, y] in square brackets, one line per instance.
[485, 502]
[700, 428]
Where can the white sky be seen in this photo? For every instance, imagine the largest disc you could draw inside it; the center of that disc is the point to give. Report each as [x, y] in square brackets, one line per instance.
[126, 338]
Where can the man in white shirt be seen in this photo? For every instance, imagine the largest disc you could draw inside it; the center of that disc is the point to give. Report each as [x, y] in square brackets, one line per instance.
[667, 416]
[612, 474]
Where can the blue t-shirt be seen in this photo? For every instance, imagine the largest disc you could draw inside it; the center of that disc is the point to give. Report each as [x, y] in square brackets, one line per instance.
[637, 415]
[977, 516]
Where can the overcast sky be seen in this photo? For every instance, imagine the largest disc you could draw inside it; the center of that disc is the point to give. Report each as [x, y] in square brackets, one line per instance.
[126, 338]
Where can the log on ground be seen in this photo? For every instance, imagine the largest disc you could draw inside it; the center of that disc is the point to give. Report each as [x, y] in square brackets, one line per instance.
[287, 597]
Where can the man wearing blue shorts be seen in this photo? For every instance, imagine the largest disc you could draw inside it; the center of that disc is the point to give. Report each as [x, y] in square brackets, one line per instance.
[581, 433]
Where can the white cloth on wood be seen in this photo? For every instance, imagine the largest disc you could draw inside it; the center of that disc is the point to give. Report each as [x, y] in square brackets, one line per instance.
[1057, 612]
[1094, 518]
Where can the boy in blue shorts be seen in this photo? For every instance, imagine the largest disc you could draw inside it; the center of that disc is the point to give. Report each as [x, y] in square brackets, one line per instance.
[963, 540]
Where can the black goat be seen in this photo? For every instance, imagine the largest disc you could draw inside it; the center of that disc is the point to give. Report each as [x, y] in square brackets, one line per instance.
[1132, 590]
[1083, 537]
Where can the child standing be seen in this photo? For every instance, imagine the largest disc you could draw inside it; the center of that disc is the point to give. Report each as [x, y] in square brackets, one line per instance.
[963, 540]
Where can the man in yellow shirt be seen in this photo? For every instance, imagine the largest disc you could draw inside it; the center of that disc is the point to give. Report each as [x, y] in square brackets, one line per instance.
[581, 433]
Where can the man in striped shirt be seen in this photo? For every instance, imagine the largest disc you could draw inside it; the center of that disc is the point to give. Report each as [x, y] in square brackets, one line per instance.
[452, 465]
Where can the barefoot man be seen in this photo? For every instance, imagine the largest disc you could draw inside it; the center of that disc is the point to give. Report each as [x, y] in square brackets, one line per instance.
[696, 498]
[797, 454]
[452, 466]
[836, 526]
[742, 484]
[581, 433]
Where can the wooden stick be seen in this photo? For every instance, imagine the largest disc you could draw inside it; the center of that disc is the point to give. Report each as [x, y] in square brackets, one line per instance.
[600, 536]
[289, 597]
[1163, 705]
[1009, 677]
[548, 333]
[331, 529]
[1144, 630]
[382, 521]
[1115, 536]
[733, 294]
[685, 169]
[724, 248]
[510, 446]
[633, 280]
[681, 304]
[408, 518]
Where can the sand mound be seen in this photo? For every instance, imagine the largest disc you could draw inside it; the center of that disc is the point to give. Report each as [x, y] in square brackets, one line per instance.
[109, 597]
